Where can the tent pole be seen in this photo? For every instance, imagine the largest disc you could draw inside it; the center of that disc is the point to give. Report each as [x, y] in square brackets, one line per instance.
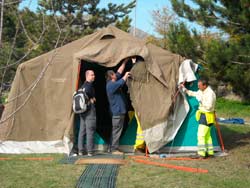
[219, 133]
[78, 76]
[146, 151]
[135, 19]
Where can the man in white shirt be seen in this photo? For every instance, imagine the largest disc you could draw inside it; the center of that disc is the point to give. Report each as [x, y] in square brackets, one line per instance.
[205, 116]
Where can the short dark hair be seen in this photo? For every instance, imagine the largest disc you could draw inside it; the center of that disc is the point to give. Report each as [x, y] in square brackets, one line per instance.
[88, 71]
[204, 81]
[109, 73]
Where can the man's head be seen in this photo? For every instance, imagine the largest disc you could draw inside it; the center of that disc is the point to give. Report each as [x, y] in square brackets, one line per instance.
[90, 76]
[202, 84]
[110, 75]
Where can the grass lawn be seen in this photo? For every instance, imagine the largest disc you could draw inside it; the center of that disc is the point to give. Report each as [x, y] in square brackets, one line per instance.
[232, 109]
[19, 173]
[232, 171]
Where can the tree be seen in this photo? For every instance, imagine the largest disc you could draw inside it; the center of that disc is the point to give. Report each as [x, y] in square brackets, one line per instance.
[162, 19]
[229, 16]
[230, 55]
[124, 24]
[27, 34]
[85, 16]
[184, 42]
[9, 32]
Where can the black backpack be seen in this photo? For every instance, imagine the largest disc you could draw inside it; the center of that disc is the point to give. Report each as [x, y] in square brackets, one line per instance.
[80, 101]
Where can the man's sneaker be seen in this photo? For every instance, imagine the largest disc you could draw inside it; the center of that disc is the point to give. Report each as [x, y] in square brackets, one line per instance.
[109, 148]
[210, 156]
[82, 153]
[73, 155]
[90, 154]
[117, 152]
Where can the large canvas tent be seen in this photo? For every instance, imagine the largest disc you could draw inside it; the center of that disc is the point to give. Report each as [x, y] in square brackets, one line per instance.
[39, 116]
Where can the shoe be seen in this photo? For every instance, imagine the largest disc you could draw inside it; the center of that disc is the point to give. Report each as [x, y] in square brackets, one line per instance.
[117, 152]
[197, 157]
[210, 156]
[73, 155]
[139, 152]
[82, 153]
[109, 148]
[90, 154]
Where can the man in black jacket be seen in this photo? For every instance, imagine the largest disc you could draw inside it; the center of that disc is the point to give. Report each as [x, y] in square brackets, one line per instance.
[88, 118]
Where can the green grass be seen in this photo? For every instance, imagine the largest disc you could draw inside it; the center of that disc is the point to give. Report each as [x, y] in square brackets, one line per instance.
[231, 171]
[19, 173]
[232, 109]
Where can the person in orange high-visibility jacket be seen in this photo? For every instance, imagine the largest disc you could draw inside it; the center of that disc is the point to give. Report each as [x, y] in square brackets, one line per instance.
[205, 115]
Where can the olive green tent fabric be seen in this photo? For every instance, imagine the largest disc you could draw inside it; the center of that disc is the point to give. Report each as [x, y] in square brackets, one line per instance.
[40, 100]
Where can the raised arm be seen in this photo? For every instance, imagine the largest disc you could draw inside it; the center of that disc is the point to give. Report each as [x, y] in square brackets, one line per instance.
[122, 67]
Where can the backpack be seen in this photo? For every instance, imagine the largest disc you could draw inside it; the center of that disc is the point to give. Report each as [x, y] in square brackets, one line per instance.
[80, 101]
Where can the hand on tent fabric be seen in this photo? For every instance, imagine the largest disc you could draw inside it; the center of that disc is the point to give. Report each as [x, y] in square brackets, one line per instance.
[126, 76]
[182, 87]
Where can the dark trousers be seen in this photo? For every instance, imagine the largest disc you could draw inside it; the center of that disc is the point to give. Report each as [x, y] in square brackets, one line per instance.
[87, 128]
[117, 126]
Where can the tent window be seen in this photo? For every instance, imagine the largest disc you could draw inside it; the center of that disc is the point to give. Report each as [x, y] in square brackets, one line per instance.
[107, 36]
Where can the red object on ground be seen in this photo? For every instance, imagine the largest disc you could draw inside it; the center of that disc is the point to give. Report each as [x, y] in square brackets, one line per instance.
[4, 158]
[182, 168]
[38, 158]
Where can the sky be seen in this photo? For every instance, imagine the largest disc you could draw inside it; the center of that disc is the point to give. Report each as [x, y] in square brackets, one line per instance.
[143, 12]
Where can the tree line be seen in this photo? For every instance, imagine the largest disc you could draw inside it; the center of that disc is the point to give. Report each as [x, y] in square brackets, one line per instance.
[224, 54]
